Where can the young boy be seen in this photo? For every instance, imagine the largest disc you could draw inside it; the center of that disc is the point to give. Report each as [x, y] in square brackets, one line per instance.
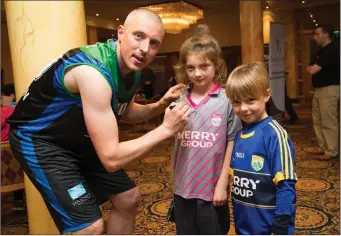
[262, 165]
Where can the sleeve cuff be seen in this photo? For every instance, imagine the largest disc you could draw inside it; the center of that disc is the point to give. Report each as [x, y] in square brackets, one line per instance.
[280, 176]
[231, 171]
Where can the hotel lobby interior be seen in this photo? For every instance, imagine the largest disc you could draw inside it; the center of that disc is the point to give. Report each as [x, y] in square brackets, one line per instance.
[26, 24]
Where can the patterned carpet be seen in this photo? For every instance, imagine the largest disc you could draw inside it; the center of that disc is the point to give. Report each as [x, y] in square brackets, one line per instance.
[318, 188]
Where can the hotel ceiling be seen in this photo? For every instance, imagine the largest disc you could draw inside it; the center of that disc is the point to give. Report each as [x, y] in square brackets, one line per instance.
[112, 10]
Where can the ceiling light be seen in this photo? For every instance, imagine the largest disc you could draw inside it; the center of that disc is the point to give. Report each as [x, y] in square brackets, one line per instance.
[316, 24]
[314, 20]
[117, 19]
[97, 14]
[303, 1]
[311, 16]
[267, 7]
[177, 16]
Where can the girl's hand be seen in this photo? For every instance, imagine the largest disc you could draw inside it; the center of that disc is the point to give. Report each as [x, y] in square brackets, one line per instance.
[220, 196]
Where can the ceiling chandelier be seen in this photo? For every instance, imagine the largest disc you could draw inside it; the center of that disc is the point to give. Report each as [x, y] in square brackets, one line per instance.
[177, 16]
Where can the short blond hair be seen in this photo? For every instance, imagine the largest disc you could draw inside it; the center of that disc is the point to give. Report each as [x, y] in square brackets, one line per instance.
[208, 47]
[247, 81]
[133, 16]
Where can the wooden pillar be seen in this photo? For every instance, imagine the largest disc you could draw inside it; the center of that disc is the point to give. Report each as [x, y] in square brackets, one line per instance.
[251, 28]
[40, 31]
[92, 34]
[291, 55]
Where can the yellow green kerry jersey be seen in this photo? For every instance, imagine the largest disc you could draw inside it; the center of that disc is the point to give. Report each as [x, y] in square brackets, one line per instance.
[263, 155]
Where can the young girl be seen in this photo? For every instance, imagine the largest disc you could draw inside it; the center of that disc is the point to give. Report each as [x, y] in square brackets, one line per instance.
[203, 149]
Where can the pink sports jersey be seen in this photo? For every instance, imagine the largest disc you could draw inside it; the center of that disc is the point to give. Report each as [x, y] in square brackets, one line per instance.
[200, 148]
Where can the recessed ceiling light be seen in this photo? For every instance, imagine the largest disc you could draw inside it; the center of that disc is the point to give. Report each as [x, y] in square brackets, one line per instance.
[311, 16]
[117, 19]
[314, 20]
[267, 7]
[97, 14]
[303, 1]
[316, 24]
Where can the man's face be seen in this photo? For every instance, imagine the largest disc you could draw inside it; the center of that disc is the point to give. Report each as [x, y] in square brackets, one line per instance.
[6, 100]
[320, 37]
[140, 41]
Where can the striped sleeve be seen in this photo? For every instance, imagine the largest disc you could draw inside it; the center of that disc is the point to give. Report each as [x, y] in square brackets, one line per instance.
[234, 123]
[281, 154]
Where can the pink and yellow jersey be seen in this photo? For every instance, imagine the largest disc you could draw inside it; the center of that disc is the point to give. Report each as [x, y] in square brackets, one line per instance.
[200, 148]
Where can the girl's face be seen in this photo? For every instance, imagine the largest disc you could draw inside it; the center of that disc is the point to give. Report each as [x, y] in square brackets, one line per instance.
[200, 70]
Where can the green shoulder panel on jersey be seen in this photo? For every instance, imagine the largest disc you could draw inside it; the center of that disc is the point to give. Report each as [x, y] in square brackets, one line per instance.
[106, 54]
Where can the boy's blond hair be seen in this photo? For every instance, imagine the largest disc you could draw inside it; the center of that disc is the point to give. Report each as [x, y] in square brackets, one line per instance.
[208, 47]
[247, 81]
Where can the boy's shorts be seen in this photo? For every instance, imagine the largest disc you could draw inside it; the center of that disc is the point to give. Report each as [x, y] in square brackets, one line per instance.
[196, 216]
[71, 185]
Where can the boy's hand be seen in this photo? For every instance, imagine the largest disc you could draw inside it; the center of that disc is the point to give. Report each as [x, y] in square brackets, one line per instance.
[220, 196]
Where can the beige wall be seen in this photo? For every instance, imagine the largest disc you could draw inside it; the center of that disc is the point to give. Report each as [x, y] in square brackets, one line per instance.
[6, 62]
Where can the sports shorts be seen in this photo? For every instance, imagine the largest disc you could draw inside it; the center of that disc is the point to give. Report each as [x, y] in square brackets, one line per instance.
[72, 185]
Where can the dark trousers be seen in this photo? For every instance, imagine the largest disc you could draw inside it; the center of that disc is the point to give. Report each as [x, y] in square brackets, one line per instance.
[196, 216]
[289, 108]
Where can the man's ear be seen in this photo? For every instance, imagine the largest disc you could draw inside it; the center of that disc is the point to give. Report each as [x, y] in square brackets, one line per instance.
[268, 95]
[12, 97]
[120, 32]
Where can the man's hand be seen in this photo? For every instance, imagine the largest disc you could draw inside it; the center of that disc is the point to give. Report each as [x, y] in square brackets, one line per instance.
[176, 119]
[220, 196]
[172, 94]
[314, 69]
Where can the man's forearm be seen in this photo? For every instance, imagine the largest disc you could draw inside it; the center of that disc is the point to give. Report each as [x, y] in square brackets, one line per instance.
[139, 113]
[313, 69]
[133, 149]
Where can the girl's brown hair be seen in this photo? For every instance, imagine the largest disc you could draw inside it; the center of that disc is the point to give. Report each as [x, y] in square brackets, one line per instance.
[208, 47]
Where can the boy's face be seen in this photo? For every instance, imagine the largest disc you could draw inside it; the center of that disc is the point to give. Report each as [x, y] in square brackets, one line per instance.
[251, 110]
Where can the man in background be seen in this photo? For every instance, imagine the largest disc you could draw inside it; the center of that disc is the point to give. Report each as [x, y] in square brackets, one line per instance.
[325, 72]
